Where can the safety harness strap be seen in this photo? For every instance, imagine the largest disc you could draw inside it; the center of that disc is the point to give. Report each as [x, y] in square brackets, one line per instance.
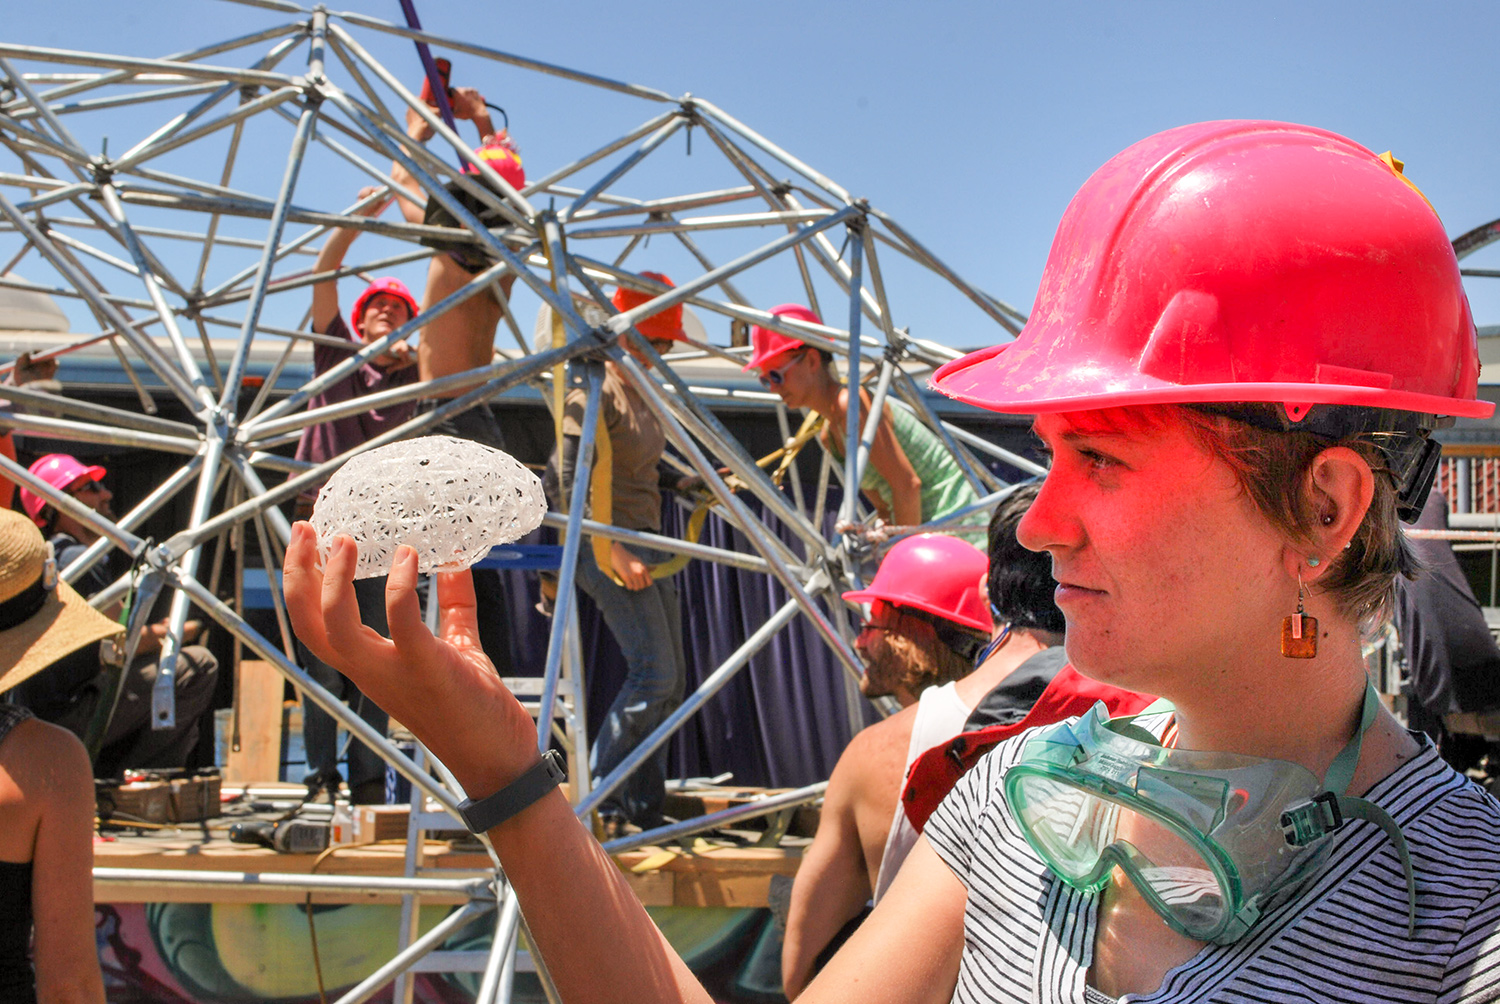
[602, 505]
[601, 493]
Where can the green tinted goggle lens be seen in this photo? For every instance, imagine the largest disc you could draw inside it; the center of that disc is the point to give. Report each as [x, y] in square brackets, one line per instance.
[1082, 836]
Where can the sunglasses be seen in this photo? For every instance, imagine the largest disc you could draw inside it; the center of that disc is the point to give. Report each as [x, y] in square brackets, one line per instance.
[776, 377]
[884, 616]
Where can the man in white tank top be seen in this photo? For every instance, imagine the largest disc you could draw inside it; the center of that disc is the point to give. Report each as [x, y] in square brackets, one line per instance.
[926, 606]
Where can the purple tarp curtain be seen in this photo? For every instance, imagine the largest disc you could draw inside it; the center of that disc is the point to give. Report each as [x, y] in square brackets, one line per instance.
[782, 720]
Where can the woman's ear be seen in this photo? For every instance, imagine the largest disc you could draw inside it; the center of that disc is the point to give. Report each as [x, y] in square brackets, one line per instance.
[1337, 492]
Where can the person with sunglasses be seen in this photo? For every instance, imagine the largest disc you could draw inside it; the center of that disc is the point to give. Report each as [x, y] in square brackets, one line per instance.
[911, 478]
[1244, 337]
[67, 692]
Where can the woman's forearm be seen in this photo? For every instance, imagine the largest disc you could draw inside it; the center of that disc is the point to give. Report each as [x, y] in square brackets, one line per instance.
[588, 926]
[597, 942]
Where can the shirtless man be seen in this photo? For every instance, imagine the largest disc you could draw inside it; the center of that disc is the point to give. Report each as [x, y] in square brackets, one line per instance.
[68, 691]
[463, 338]
[863, 837]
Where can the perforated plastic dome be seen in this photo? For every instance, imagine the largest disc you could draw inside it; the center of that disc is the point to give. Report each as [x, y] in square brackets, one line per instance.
[451, 499]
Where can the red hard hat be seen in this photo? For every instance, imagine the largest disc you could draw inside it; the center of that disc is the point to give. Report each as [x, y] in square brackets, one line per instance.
[666, 324]
[1240, 262]
[935, 573]
[60, 471]
[386, 284]
[499, 151]
[768, 346]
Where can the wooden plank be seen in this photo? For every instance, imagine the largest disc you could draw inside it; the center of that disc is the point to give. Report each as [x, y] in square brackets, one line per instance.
[260, 699]
[656, 888]
[732, 876]
[1471, 449]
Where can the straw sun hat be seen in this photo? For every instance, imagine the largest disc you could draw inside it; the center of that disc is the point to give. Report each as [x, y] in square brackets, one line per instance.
[42, 618]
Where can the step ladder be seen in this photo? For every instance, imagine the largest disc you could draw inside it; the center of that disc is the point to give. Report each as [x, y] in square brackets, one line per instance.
[503, 959]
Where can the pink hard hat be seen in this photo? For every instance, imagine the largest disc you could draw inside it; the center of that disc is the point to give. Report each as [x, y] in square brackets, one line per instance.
[935, 573]
[1240, 261]
[499, 152]
[61, 472]
[768, 346]
[386, 284]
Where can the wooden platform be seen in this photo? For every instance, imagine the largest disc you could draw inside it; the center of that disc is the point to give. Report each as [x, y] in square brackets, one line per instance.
[729, 876]
[699, 872]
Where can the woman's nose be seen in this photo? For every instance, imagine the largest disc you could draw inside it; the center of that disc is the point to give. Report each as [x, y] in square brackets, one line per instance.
[1048, 523]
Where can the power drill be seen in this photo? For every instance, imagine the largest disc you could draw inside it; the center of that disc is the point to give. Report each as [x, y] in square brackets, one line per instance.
[289, 836]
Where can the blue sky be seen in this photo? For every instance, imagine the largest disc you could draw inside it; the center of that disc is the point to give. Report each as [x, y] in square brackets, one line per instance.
[972, 123]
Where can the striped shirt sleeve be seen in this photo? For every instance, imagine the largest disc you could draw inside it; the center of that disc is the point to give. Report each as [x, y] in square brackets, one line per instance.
[1473, 973]
[952, 828]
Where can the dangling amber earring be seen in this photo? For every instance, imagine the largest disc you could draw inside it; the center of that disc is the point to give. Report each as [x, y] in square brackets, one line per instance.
[1299, 632]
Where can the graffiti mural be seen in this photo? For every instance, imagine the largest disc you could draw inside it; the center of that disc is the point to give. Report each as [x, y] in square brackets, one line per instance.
[235, 953]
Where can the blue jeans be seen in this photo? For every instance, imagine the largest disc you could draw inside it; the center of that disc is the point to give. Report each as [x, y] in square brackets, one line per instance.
[320, 729]
[648, 627]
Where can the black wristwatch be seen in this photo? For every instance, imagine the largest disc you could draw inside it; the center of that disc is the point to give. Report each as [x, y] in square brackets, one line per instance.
[488, 813]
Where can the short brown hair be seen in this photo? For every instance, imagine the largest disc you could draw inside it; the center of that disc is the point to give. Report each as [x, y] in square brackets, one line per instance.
[1272, 468]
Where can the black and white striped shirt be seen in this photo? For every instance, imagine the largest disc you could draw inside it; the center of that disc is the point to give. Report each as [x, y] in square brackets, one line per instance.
[1029, 937]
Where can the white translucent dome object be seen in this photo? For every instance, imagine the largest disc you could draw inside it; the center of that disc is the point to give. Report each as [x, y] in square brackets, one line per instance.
[451, 499]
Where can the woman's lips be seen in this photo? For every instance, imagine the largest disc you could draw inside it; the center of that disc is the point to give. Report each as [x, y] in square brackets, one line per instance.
[1071, 591]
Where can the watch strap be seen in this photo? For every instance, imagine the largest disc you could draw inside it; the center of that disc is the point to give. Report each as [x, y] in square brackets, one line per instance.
[485, 814]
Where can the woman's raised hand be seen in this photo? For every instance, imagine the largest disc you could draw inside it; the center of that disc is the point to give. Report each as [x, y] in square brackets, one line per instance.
[443, 688]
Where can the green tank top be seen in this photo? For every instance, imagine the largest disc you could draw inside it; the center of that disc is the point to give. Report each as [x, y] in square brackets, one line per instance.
[944, 487]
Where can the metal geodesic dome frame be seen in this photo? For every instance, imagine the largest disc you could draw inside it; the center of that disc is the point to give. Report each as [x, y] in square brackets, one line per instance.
[161, 243]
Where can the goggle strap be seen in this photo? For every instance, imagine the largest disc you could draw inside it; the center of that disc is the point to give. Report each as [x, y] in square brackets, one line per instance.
[1308, 821]
[1341, 774]
[1359, 808]
[1341, 771]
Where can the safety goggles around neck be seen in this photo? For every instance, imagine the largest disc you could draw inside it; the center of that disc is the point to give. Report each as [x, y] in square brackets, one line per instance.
[1209, 840]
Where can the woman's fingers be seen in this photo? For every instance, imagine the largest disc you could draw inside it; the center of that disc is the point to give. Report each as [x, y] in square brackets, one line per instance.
[352, 643]
[403, 609]
[459, 621]
[302, 582]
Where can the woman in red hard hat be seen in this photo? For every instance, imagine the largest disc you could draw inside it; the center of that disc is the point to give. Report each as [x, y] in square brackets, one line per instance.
[911, 478]
[385, 305]
[1243, 340]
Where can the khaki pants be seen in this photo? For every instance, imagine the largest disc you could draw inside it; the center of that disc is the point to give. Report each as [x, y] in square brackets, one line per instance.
[131, 742]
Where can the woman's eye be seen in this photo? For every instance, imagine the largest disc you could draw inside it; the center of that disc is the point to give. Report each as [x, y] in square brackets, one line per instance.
[1098, 461]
